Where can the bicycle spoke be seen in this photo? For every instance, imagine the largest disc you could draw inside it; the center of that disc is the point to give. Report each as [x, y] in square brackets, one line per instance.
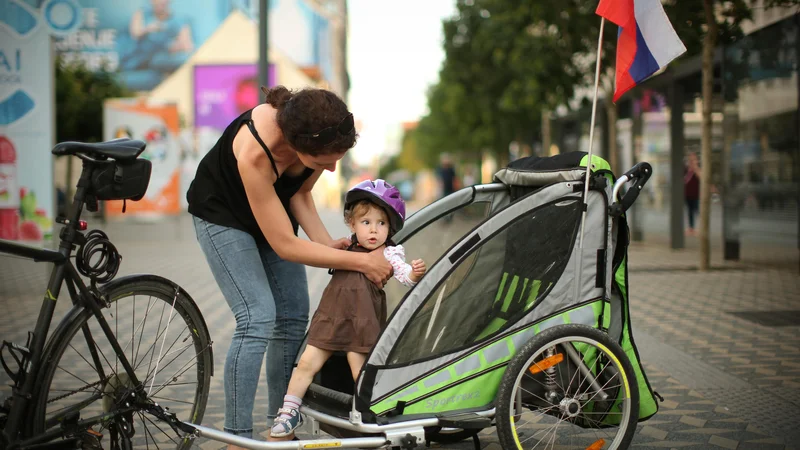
[158, 333]
[146, 441]
[82, 357]
[57, 418]
[194, 363]
[75, 376]
[146, 313]
[147, 430]
[162, 431]
[172, 399]
[106, 359]
[169, 321]
[165, 355]
[171, 361]
[116, 333]
[133, 321]
[141, 325]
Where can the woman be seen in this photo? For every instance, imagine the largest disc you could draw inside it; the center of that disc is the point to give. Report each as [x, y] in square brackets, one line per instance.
[249, 195]
[691, 189]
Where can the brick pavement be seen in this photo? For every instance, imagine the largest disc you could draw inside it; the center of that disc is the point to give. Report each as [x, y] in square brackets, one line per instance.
[727, 382]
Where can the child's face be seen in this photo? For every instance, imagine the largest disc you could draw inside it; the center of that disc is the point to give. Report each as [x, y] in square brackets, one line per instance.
[371, 228]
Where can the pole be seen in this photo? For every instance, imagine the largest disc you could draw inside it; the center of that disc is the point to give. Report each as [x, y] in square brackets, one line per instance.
[579, 259]
[591, 130]
[263, 43]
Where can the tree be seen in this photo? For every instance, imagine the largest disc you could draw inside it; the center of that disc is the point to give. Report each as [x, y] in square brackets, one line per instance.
[80, 94]
[506, 60]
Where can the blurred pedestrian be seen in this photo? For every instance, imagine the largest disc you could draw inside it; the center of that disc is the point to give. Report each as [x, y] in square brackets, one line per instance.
[447, 175]
[691, 189]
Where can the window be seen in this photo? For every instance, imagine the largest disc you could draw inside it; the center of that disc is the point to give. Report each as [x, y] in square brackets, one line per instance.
[434, 239]
[495, 285]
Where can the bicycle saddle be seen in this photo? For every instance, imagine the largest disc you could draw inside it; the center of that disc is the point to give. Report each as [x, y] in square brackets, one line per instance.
[122, 149]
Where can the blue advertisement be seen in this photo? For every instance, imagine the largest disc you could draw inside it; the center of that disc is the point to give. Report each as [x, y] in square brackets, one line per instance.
[144, 40]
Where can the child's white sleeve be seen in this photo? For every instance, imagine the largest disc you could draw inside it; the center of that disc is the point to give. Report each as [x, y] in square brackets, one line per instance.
[397, 258]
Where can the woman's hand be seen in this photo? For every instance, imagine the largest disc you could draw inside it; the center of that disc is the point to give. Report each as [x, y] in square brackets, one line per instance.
[378, 270]
[340, 244]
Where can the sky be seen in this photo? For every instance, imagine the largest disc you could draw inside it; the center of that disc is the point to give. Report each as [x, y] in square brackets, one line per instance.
[394, 55]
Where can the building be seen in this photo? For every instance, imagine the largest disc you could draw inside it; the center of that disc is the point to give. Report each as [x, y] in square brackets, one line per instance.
[755, 137]
[204, 60]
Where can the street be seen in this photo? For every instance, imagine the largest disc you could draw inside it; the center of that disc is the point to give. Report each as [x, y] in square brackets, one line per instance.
[722, 347]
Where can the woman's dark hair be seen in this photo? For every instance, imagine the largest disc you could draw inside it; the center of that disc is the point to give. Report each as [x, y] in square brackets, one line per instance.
[314, 121]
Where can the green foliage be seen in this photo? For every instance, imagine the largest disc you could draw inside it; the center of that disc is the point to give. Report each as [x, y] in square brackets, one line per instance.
[80, 94]
[506, 60]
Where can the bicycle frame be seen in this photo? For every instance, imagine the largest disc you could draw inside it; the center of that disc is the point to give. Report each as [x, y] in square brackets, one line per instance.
[83, 298]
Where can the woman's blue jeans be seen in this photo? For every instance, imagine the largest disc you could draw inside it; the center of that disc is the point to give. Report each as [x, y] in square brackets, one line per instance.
[269, 300]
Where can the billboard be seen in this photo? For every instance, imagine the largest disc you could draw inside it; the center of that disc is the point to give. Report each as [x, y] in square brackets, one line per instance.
[26, 115]
[145, 40]
[223, 92]
[157, 124]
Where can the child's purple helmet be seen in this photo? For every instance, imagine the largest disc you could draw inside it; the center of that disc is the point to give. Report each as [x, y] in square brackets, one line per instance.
[383, 194]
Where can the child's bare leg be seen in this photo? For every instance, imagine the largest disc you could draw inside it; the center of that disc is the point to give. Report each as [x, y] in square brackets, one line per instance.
[310, 363]
[356, 361]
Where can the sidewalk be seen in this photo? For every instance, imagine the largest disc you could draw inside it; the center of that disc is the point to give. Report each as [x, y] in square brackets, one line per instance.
[722, 347]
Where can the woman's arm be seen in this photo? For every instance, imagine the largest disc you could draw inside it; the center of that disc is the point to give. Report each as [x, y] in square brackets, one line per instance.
[183, 42]
[258, 178]
[136, 28]
[304, 210]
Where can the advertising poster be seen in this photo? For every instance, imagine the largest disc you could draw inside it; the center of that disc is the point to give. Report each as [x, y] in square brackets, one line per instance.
[145, 40]
[157, 124]
[223, 92]
[26, 114]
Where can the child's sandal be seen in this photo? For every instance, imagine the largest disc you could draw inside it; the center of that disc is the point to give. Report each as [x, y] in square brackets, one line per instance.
[285, 426]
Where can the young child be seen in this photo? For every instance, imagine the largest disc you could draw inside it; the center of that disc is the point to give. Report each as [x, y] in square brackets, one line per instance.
[352, 310]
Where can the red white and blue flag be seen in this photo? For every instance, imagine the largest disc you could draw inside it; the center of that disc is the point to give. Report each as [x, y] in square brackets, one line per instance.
[646, 41]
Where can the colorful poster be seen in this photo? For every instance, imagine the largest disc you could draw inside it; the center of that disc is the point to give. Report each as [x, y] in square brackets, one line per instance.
[156, 124]
[26, 114]
[145, 40]
[223, 92]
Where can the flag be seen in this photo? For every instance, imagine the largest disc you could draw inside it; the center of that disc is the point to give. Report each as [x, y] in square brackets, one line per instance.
[646, 41]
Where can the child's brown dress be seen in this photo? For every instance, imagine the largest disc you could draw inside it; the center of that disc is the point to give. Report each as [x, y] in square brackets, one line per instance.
[351, 313]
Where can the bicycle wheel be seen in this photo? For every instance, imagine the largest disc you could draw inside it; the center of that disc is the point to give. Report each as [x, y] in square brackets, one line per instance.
[165, 339]
[570, 385]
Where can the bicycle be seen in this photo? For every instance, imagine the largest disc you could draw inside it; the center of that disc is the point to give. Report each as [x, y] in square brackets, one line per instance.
[128, 386]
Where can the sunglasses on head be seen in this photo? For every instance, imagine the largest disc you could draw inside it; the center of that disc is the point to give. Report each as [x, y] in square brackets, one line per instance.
[327, 136]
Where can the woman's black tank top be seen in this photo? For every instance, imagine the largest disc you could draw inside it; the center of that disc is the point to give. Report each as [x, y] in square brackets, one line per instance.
[217, 193]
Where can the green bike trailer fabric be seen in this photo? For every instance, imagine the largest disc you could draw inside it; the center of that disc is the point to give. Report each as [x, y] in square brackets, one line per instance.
[448, 342]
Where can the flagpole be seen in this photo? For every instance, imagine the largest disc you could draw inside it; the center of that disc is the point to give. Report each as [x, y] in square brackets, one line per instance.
[591, 130]
[579, 259]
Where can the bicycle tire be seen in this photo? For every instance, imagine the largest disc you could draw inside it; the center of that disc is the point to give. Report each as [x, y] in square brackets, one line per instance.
[115, 293]
[523, 361]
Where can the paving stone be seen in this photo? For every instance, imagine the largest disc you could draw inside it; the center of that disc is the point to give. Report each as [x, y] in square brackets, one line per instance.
[693, 421]
[723, 442]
